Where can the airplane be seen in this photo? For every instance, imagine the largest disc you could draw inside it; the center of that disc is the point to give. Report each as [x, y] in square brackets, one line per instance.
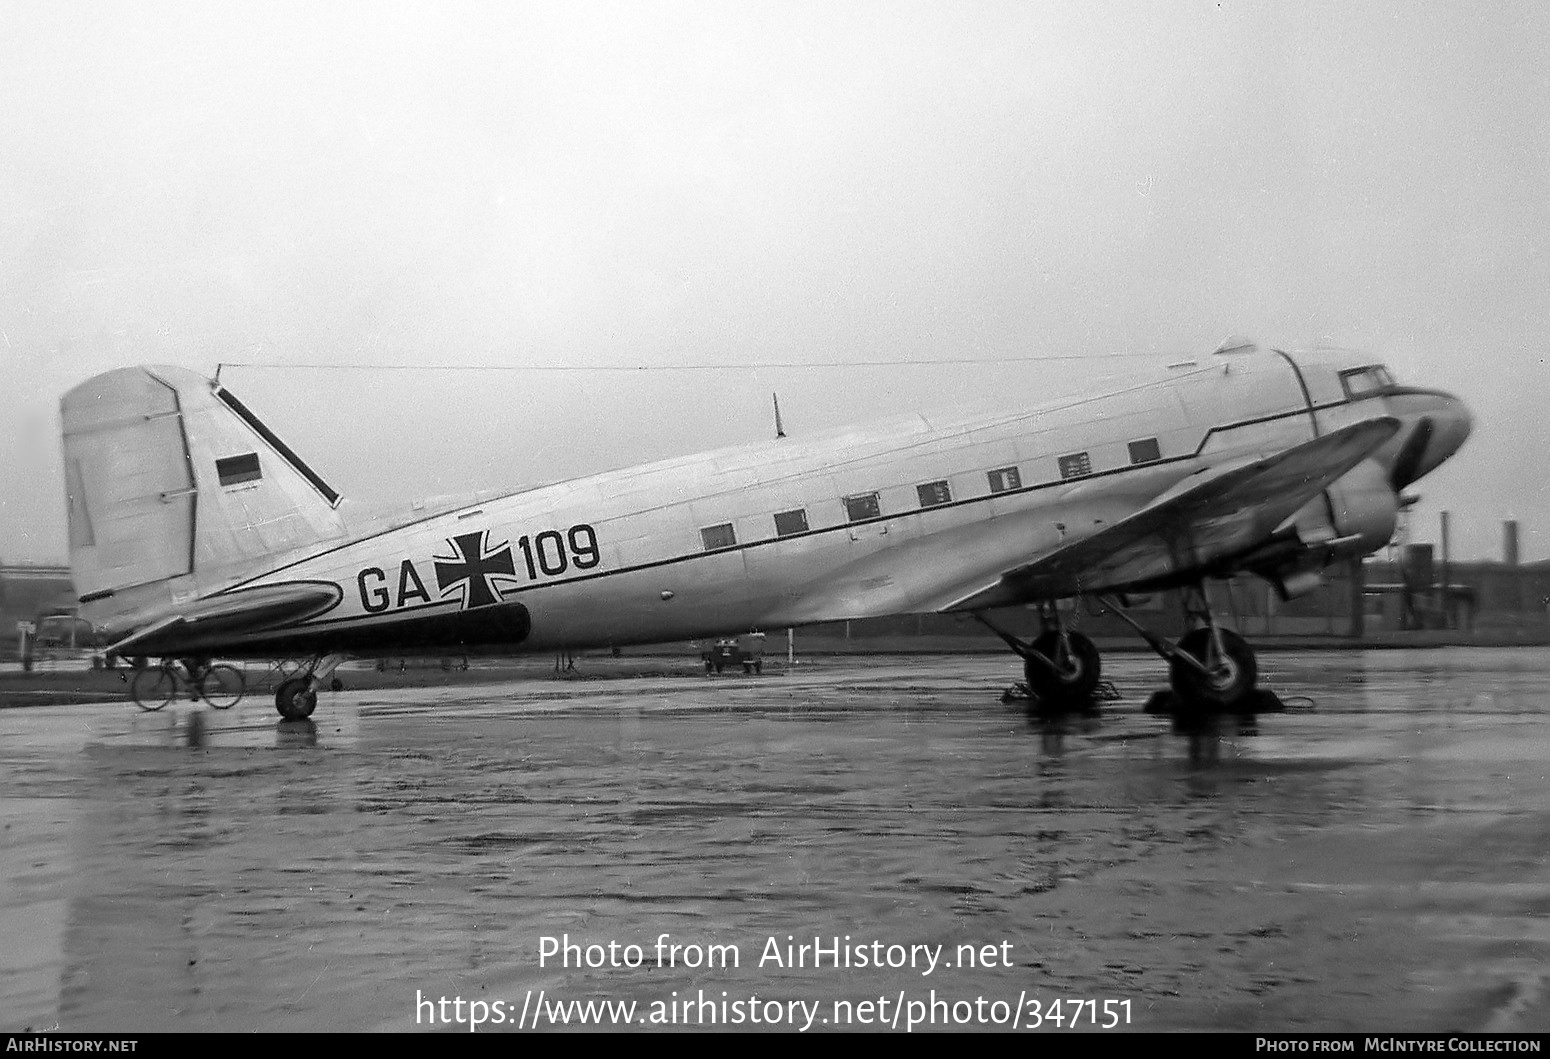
[195, 532]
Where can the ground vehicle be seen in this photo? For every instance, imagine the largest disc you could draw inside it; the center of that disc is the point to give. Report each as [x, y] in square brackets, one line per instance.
[64, 629]
[746, 651]
[220, 685]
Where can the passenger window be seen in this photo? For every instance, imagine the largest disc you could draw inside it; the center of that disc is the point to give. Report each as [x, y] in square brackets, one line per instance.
[1145, 451]
[789, 522]
[862, 507]
[1075, 465]
[721, 536]
[934, 493]
[1005, 479]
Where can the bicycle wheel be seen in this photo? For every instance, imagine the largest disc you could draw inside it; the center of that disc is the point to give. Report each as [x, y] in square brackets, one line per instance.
[222, 686]
[153, 688]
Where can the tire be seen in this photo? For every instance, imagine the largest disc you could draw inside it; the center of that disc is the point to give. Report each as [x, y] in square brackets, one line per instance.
[1076, 679]
[222, 686]
[1226, 690]
[153, 688]
[295, 699]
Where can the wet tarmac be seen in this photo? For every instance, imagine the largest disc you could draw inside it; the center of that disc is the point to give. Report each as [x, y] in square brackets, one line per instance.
[1376, 858]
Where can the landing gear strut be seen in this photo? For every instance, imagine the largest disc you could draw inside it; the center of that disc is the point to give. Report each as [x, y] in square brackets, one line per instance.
[1062, 667]
[1214, 667]
[297, 696]
[1211, 669]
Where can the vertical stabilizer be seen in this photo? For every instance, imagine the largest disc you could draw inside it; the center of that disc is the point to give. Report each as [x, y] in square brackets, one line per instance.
[168, 475]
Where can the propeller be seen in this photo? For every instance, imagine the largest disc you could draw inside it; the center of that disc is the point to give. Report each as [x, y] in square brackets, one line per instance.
[1407, 462]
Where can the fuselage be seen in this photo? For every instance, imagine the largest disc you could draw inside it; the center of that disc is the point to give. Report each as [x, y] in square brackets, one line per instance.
[896, 517]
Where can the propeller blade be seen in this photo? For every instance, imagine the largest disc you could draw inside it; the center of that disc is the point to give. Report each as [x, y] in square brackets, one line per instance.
[1407, 462]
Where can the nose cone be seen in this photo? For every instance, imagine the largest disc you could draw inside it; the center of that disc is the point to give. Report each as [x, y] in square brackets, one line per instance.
[1436, 426]
[1452, 424]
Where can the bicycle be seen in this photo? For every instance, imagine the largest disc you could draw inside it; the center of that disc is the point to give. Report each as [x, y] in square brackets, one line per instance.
[221, 685]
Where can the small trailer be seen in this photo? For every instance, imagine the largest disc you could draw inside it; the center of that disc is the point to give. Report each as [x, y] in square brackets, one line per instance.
[746, 651]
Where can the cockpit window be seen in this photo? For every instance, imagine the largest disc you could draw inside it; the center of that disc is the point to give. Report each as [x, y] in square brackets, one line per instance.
[1359, 382]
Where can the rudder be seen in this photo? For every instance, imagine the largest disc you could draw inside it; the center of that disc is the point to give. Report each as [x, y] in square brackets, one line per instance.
[168, 475]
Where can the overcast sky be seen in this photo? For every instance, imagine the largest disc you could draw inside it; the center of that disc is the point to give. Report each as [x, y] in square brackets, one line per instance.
[736, 184]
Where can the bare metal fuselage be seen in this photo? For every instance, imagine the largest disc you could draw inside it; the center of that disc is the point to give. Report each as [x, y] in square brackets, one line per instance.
[899, 517]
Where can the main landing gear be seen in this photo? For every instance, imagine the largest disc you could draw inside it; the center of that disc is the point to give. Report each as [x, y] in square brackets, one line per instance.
[297, 696]
[1210, 669]
[1062, 667]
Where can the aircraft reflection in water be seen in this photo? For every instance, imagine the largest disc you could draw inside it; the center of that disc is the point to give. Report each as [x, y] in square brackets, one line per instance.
[196, 532]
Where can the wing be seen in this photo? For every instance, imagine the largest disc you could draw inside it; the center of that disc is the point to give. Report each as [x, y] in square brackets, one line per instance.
[1216, 514]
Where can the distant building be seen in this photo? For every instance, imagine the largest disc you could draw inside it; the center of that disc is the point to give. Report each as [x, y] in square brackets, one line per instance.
[29, 589]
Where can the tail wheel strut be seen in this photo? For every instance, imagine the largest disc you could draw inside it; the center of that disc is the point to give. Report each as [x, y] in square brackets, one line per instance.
[295, 698]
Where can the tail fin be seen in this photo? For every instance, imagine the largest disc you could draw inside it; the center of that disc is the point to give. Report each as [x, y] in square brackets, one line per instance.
[169, 475]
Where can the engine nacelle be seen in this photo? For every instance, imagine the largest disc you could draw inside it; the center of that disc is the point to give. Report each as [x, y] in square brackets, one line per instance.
[1366, 507]
[1357, 519]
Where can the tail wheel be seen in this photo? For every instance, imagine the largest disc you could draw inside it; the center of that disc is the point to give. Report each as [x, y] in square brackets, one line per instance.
[1231, 675]
[153, 688]
[222, 685]
[295, 699]
[1077, 666]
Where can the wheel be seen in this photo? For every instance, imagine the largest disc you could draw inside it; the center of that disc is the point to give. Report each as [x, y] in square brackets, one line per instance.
[222, 686]
[1075, 676]
[153, 688]
[295, 699]
[1232, 679]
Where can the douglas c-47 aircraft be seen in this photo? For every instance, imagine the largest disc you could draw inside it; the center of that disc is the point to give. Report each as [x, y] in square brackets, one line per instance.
[195, 532]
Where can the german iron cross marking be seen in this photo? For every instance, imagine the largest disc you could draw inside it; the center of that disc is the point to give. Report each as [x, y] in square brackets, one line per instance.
[479, 565]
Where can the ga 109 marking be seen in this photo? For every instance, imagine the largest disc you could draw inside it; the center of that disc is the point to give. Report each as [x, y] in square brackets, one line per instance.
[476, 570]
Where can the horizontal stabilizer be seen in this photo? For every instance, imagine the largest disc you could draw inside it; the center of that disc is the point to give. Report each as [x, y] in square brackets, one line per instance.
[1214, 515]
[130, 644]
[243, 611]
